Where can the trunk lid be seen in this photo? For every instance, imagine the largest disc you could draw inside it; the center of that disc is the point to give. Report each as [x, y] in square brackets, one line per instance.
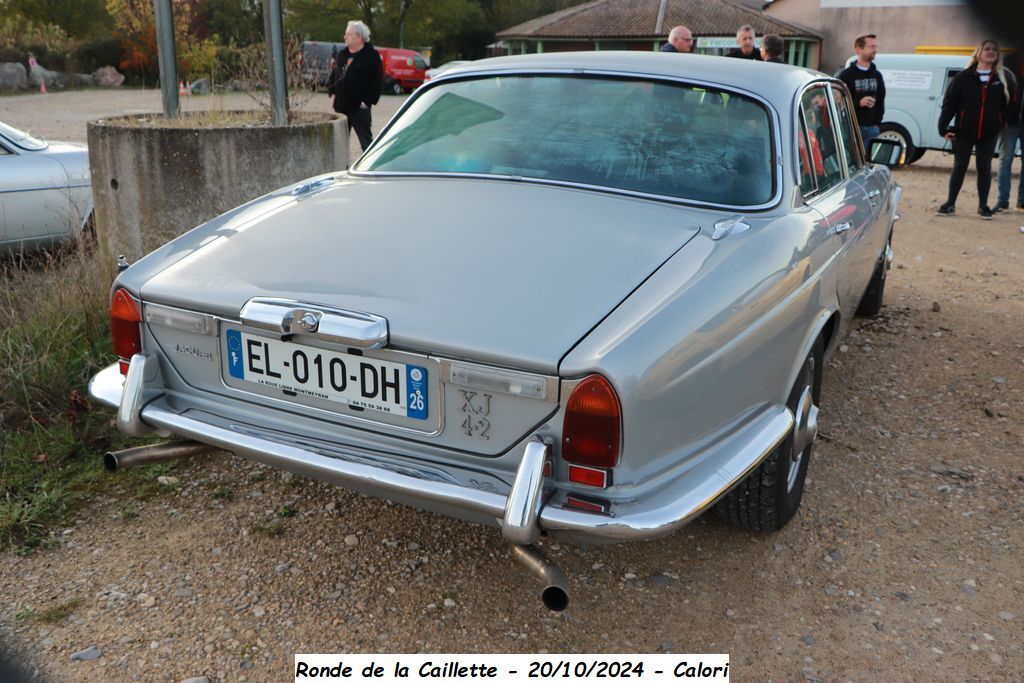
[506, 273]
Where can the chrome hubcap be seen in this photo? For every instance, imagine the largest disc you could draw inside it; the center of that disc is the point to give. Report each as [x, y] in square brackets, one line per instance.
[805, 428]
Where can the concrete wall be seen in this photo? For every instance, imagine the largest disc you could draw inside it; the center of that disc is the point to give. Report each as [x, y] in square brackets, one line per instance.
[152, 183]
[899, 29]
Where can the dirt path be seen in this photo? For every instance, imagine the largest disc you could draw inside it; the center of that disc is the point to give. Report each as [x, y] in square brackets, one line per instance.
[904, 563]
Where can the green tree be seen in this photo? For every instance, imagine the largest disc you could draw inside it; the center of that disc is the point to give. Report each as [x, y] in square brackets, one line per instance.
[235, 21]
[78, 18]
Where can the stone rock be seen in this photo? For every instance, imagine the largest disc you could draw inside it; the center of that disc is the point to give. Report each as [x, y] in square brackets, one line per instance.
[38, 74]
[1006, 616]
[91, 652]
[448, 602]
[183, 593]
[351, 540]
[145, 600]
[196, 679]
[202, 87]
[13, 76]
[107, 77]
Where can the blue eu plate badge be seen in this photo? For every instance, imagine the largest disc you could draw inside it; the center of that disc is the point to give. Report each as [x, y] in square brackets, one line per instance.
[416, 392]
[236, 365]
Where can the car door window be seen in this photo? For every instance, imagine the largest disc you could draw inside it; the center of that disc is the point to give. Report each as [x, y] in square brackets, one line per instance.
[810, 161]
[847, 134]
[420, 64]
[821, 138]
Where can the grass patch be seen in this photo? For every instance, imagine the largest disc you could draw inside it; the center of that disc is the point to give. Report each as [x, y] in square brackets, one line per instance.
[53, 337]
[52, 614]
[270, 528]
[286, 512]
[225, 494]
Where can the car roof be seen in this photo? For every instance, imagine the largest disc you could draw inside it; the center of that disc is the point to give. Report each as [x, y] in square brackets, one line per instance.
[773, 82]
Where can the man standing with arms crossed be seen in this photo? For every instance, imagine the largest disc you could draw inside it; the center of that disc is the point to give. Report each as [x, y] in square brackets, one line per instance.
[866, 86]
[356, 80]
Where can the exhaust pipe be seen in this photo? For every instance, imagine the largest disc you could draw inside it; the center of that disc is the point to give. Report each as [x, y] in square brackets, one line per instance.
[555, 593]
[161, 452]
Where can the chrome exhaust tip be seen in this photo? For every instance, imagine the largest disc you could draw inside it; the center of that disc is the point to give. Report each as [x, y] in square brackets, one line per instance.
[555, 591]
[161, 452]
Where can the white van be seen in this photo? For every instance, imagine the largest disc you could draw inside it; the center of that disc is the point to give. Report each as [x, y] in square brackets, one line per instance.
[914, 88]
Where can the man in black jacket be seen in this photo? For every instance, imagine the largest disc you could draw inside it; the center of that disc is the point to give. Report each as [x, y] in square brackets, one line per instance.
[746, 49]
[866, 86]
[356, 80]
[771, 48]
[1013, 133]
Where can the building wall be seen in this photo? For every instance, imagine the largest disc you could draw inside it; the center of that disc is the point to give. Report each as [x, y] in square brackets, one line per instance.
[899, 28]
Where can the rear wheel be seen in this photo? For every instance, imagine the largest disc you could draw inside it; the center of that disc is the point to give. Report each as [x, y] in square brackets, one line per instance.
[894, 131]
[396, 88]
[770, 495]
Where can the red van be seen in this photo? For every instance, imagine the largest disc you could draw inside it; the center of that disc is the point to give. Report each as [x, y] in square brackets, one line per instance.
[403, 69]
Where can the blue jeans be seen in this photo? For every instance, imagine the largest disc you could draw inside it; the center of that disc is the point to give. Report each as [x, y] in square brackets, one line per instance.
[1007, 142]
[869, 133]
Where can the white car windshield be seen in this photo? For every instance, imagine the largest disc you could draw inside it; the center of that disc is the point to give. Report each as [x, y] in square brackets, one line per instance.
[21, 138]
[653, 137]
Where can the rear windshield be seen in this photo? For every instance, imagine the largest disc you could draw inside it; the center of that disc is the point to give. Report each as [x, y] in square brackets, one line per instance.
[658, 138]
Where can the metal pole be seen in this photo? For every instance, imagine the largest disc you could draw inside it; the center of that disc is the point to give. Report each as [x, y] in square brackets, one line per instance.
[167, 56]
[273, 35]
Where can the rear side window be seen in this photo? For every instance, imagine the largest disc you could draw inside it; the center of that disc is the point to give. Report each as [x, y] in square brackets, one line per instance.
[658, 138]
[821, 138]
[851, 146]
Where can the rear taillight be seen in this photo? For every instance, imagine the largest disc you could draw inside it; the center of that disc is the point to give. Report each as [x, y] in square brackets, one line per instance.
[592, 430]
[125, 328]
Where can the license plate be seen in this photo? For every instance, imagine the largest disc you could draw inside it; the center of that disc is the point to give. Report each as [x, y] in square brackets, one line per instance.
[297, 369]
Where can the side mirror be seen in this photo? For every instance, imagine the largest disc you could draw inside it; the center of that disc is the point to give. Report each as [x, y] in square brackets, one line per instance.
[887, 152]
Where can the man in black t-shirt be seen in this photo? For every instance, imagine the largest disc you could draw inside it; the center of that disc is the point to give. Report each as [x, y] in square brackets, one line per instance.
[866, 86]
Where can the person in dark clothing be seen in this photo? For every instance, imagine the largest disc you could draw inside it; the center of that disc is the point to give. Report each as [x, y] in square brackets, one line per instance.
[679, 40]
[746, 49]
[866, 87]
[356, 81]
[1012, 134]
[771, 48]
[978, 98]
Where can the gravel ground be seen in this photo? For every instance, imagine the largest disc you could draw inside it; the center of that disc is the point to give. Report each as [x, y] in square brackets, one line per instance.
[904, 562]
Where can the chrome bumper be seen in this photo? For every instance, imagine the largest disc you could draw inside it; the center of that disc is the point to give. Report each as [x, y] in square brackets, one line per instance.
[521, 515]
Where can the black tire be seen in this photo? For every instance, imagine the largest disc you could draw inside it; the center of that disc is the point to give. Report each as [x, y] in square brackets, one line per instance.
[770, 495]
[396, 88]
[871, 303]
[894, 131]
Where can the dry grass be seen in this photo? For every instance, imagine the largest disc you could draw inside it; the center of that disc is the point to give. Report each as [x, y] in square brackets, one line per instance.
[53, 337]
[218, 119]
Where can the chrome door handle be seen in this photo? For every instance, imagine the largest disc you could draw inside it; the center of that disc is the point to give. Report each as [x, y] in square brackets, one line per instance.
[874, 193]
[842, 227]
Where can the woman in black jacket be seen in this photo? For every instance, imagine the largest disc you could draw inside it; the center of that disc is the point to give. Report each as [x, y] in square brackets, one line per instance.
[977, 97]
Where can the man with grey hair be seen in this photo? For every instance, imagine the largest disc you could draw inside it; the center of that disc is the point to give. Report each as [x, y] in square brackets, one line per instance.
[745, 40]
[356, 81]
[679, 40]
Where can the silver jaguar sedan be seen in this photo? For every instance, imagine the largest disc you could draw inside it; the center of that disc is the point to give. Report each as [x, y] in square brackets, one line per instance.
[586, 295]
[45, 195]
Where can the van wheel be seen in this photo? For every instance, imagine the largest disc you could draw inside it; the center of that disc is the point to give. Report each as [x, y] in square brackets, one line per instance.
[894, 131]
[396, 88]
